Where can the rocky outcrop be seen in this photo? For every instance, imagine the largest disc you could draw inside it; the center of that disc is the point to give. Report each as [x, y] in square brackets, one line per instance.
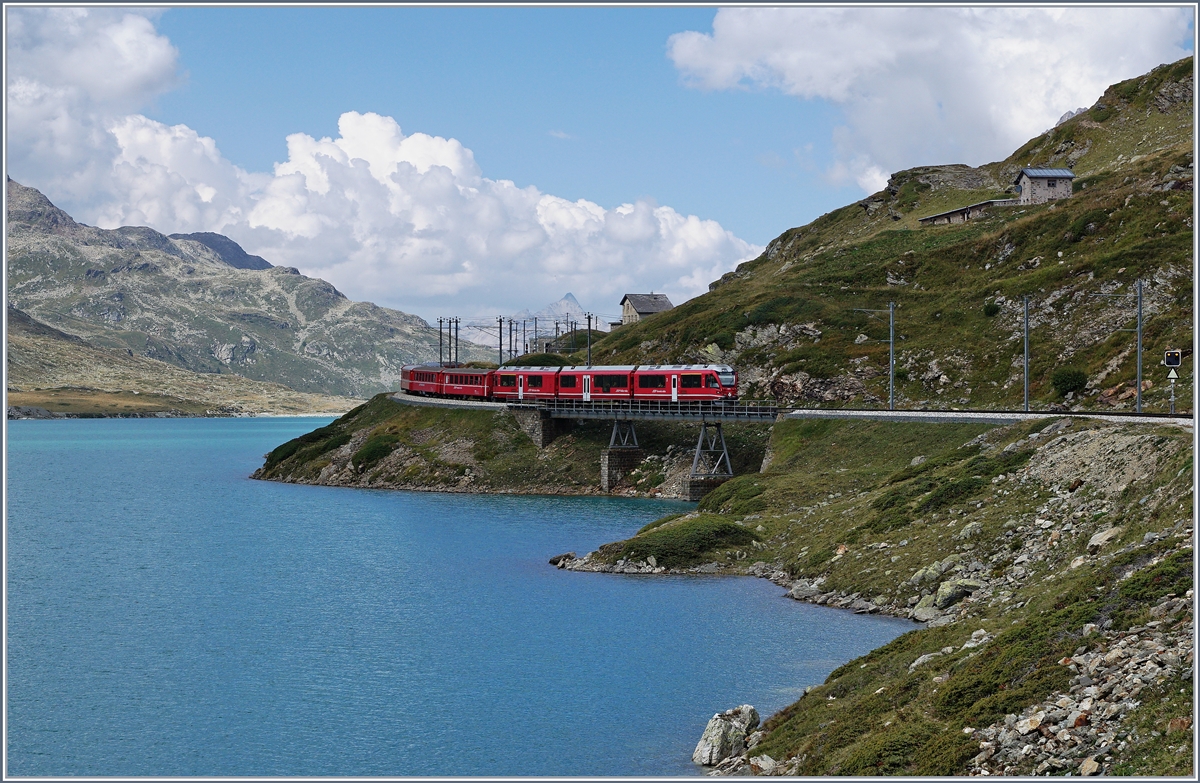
[725, 735]
[1080, 731]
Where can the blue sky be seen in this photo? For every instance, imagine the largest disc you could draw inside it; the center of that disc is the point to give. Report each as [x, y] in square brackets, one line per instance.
[501, 81]
[477, 161]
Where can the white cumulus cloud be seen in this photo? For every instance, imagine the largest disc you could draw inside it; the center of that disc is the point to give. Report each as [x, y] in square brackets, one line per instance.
[405, 220]
[932, 85]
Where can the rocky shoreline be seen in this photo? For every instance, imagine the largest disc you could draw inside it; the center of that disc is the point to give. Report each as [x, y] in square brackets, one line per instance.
[16, 412]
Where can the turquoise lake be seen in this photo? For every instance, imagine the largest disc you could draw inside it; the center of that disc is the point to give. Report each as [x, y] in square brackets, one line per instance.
[168, 616]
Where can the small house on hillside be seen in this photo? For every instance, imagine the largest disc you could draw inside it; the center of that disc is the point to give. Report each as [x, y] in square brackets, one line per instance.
[963, 214]
[635, 307]
[1037, 186]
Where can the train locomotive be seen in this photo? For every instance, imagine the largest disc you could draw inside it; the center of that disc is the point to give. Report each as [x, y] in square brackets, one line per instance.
[708, 383]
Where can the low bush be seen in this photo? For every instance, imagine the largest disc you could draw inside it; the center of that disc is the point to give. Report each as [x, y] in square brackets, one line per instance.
[680, 545]
[376, 448]
[1068, 379]
[991, 309]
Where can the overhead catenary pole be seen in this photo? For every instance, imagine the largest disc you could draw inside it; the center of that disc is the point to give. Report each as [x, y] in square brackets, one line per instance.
[1139, 345]
[589, 328]
[456, 320]
[535, 339]
[891, 356]
[1026, 353]
[891, 311]
[500, 332]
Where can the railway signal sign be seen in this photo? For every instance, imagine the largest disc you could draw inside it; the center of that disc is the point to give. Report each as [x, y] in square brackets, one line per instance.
[1173, 358]
[1172, 375]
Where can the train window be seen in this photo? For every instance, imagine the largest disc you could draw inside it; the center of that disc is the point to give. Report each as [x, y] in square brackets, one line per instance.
[566, 381]
[689, 381]
[712, 382]
[652, 381]
[607, 383]
[534, 382]
[728, 378]
[509, 381]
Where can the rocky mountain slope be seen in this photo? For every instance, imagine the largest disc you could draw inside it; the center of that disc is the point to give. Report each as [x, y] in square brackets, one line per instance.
[1050, 562]
[59, 373]
[387, 445]
[788, 319]
[202, 304]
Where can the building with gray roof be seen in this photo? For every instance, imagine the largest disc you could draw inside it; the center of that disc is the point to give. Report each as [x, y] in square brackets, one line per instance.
[1037, 186]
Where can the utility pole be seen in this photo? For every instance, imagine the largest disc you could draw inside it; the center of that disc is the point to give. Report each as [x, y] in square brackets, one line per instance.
[589, 358]
[500, 331]
[1026, 352]
[1137, 293]
[524, 336]
[891, 311]
[535, 342]
[456, 320]
[891, 356]
[439, 342]
[1139, 345]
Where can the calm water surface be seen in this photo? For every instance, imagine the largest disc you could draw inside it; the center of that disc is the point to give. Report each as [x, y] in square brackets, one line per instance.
[168, 616]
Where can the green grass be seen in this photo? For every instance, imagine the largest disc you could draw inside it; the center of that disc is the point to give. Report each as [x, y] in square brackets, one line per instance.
[1113, 229]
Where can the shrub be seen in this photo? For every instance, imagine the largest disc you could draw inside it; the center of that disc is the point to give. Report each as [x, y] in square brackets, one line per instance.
[991, 309]
[682, 544]
[1068, 379]
[376, 448]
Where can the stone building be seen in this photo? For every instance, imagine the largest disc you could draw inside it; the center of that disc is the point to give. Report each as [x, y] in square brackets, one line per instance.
[1037, 186]
[635, 307]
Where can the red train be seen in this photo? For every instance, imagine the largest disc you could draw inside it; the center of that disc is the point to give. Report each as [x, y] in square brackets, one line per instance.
[669, 382]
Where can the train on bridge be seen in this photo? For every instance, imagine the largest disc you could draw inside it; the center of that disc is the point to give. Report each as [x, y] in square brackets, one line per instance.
[708, 383]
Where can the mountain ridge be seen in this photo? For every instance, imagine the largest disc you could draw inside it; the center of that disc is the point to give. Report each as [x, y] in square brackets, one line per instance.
[183, 302]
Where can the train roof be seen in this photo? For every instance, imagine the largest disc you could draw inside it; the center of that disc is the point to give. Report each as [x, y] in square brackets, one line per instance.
[714, 367]
[602, 368]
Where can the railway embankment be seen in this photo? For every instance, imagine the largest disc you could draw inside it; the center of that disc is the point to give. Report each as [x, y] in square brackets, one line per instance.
[444, 448]
[1048, 563]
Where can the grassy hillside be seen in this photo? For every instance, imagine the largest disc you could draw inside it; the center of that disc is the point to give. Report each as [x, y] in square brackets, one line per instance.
[384, 444]
[181, 302]
[788, 319]
[989, 534]
[61, 373]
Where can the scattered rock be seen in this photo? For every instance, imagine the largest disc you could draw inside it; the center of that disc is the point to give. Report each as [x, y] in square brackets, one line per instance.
[1103, 537]
[725, 735]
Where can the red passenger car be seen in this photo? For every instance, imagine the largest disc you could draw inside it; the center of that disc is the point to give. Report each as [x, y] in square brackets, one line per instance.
[525, 383]
[467, 382]
[421, 379]
[596, 383]
[684, 382]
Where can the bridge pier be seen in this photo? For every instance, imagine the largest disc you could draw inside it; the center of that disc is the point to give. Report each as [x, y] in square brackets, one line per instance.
[622, 455]
[711, 466]
[539, 426]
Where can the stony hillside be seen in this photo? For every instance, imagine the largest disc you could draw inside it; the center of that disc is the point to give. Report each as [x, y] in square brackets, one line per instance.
[1050, 562]
[204, 305]
[788, 319]
[60, 373]
[387, 445]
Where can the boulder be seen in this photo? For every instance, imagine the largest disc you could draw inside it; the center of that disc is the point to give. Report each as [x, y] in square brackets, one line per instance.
[725, 735]
[802, 589]
[1089, 766]
[952, 591]
[561, 561]
[925, 614]
[1103, 537]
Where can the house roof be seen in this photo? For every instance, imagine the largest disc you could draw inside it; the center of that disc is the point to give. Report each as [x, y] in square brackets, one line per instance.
[995, 202]
[1056, 173]
[644, 304]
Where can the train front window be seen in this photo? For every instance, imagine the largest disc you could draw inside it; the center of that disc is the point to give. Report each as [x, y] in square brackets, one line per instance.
[727, 378]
